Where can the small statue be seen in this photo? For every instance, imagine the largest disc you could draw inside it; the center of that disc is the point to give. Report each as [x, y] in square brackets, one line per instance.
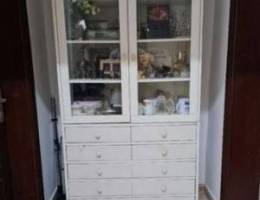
[146, 68]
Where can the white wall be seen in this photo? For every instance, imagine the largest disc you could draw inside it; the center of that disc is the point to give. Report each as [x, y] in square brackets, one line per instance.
[217, 98]
[43, 93]
[208, 21]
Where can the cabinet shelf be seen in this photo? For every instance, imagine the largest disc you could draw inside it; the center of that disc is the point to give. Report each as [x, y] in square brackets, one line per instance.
[160, 80]
[93, 41]
[184, 39]
[85, 81]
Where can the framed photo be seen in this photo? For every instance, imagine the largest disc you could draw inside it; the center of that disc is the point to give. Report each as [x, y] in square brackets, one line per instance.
[158, 21]
[110, 68]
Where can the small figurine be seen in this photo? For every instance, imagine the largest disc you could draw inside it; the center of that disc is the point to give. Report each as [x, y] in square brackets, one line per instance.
[146, 68]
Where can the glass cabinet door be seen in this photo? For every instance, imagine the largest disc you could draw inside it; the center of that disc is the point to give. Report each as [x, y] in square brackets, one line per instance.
[163, 51]
[94, 53]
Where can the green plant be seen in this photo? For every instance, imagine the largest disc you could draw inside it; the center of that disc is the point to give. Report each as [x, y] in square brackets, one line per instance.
[87, 7]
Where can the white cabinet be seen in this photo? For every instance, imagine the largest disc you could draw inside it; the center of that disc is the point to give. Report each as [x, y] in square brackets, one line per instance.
[129, 84]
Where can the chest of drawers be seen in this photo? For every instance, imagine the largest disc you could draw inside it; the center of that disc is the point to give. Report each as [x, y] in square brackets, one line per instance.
[131, 162]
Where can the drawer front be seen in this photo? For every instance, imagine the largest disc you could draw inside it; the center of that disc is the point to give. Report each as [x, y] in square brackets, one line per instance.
[164, 133]
[164, 169]
[99, 188]
[164, 187]
[164, 152]
[95, 171]
[97, 135]
[150, 198]
[97, 153]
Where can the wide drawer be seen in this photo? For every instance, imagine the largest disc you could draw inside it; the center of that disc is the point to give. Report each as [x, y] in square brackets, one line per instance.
[164, 152]
[164, 133]
[99, 188]
[97, 134]
[164, 169]
[97, 153]
[125, 198]
[97, 171]
[163, 187]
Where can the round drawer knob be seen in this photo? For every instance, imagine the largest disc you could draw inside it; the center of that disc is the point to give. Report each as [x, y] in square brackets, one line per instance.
[164, 189]
[98, 137]
[99, 173]
[164, 153]
[164, 171]
[99, 191]
[164, 135]
[99, 155]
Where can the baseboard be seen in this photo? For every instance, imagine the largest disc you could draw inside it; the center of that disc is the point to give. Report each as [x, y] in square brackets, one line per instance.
[54, 194]
[208, 192]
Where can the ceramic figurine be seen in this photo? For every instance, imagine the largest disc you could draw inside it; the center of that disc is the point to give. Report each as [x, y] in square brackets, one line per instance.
[145, 67]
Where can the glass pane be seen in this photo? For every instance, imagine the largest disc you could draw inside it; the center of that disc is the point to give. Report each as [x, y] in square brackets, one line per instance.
[164, 98]
[163, 18]
[92, 19]
[164, 60]
[94, 61]
[96, 99]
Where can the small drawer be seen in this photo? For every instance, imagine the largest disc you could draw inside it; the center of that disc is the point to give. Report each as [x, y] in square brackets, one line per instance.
[99, 188]
[164, 133]
[164, 169]
[164, 187]
[96, 171]
[164, 152]
[97, 135]
[97, 153]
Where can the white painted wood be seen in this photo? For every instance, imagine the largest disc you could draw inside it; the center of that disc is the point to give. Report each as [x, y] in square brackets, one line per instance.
[97, 134]
[164, 133]
[164, 40]
[99, 171]
[96, 153]
[99, 188]
[149, 157]
[93, 41]
[163, 187]
[164, 152]
[164, 169]
[164, 80]
[136, 198]
[105, 81]
[64, 69]
[195, 65]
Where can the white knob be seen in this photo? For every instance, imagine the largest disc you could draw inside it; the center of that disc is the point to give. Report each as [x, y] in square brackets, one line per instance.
[99, 155]
[99, 191]
[164, 135]
[164, 153]
[98, 137]
[165, 171]
[99, 173]
[164, 188]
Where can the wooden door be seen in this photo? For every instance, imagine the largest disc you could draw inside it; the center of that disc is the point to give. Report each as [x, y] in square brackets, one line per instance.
[241, 164]
[20, 171]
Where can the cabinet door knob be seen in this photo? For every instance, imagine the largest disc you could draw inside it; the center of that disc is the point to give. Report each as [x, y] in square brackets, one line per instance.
[164, 153]
[165, 171]
[99, 172]
[164, 135]
[99, 155]
[99, 191]
[164, 189]
[98, 137]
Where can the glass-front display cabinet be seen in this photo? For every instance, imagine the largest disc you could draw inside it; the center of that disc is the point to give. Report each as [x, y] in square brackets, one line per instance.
[129, 60]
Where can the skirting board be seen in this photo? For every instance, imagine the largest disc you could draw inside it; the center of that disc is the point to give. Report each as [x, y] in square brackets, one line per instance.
[207, 191]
